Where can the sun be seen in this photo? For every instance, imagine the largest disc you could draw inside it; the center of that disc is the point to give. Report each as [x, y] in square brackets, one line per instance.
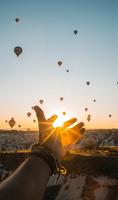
[59, 121]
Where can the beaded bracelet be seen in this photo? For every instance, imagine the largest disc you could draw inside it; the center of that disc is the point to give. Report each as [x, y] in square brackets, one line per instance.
[48, 156]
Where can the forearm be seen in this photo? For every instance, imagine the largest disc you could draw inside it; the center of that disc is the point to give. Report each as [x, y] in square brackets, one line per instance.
[28, 182]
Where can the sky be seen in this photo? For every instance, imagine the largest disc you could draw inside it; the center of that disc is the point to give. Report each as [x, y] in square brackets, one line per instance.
[45, 32]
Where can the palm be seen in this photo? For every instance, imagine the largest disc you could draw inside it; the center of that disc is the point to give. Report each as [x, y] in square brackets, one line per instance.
[58, 139]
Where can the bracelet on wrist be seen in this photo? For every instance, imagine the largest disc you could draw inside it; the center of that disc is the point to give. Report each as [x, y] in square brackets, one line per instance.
[49, 157]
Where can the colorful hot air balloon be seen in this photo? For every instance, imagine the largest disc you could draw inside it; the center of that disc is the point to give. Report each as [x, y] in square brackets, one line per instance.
[88, 82]
[28, 114]
[61, 98]
[64, 113]
[17, 19]
[41, 101]
[18, 50]
[12, 122]
[86, 109]
[59, 63]
[75, 32]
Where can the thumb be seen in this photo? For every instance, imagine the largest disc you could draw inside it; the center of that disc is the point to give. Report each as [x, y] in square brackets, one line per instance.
[39, 113]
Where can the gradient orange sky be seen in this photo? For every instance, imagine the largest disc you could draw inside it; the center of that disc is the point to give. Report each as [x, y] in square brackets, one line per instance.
[45, 32]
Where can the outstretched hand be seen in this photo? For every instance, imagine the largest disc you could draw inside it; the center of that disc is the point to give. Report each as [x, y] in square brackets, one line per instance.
[57, 139]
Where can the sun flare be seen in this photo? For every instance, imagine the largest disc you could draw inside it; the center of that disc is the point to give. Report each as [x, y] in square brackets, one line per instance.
[60, 120]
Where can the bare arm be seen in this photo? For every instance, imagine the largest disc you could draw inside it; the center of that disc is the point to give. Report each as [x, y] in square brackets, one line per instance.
[28, 182]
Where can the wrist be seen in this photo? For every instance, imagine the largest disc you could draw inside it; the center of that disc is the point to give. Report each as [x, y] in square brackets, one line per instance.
[43, 152]
[38, 162]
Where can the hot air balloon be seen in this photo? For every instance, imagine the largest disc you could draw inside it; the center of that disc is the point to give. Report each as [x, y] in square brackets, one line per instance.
[6, 121]
[61, 98]
[110, 115]
[64, 113]
[86, 109]
[67, 70]
[34, 120]
[117, 82]
[89, 116]
[19, 126]
[88, 82]
[18, 50]
[12, 122]
[28, 114]
[94, 100]
[59, 63]
[75, 32]
[88, 119]
[17, 19]
[41, 101]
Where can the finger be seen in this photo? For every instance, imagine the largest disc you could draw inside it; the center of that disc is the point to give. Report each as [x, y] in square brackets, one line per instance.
[73, 134]
[69, 122]
[82, 131]
[52, 119]
[78, 126]
[70, 137]
[39, 113]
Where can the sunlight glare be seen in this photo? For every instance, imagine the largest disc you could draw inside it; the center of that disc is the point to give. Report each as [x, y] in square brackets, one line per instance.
[59, 121]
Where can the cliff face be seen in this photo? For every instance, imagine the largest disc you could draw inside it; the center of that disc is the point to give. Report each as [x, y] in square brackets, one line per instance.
[95, 138]
[20, 140]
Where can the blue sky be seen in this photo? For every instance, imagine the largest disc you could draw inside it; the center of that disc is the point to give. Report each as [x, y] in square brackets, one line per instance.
[45, 33]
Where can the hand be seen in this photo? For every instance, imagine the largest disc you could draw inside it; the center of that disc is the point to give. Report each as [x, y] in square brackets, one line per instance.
[57, 139]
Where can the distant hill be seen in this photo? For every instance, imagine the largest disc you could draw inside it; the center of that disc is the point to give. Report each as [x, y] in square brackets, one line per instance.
[13, 140]
[98, 137]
